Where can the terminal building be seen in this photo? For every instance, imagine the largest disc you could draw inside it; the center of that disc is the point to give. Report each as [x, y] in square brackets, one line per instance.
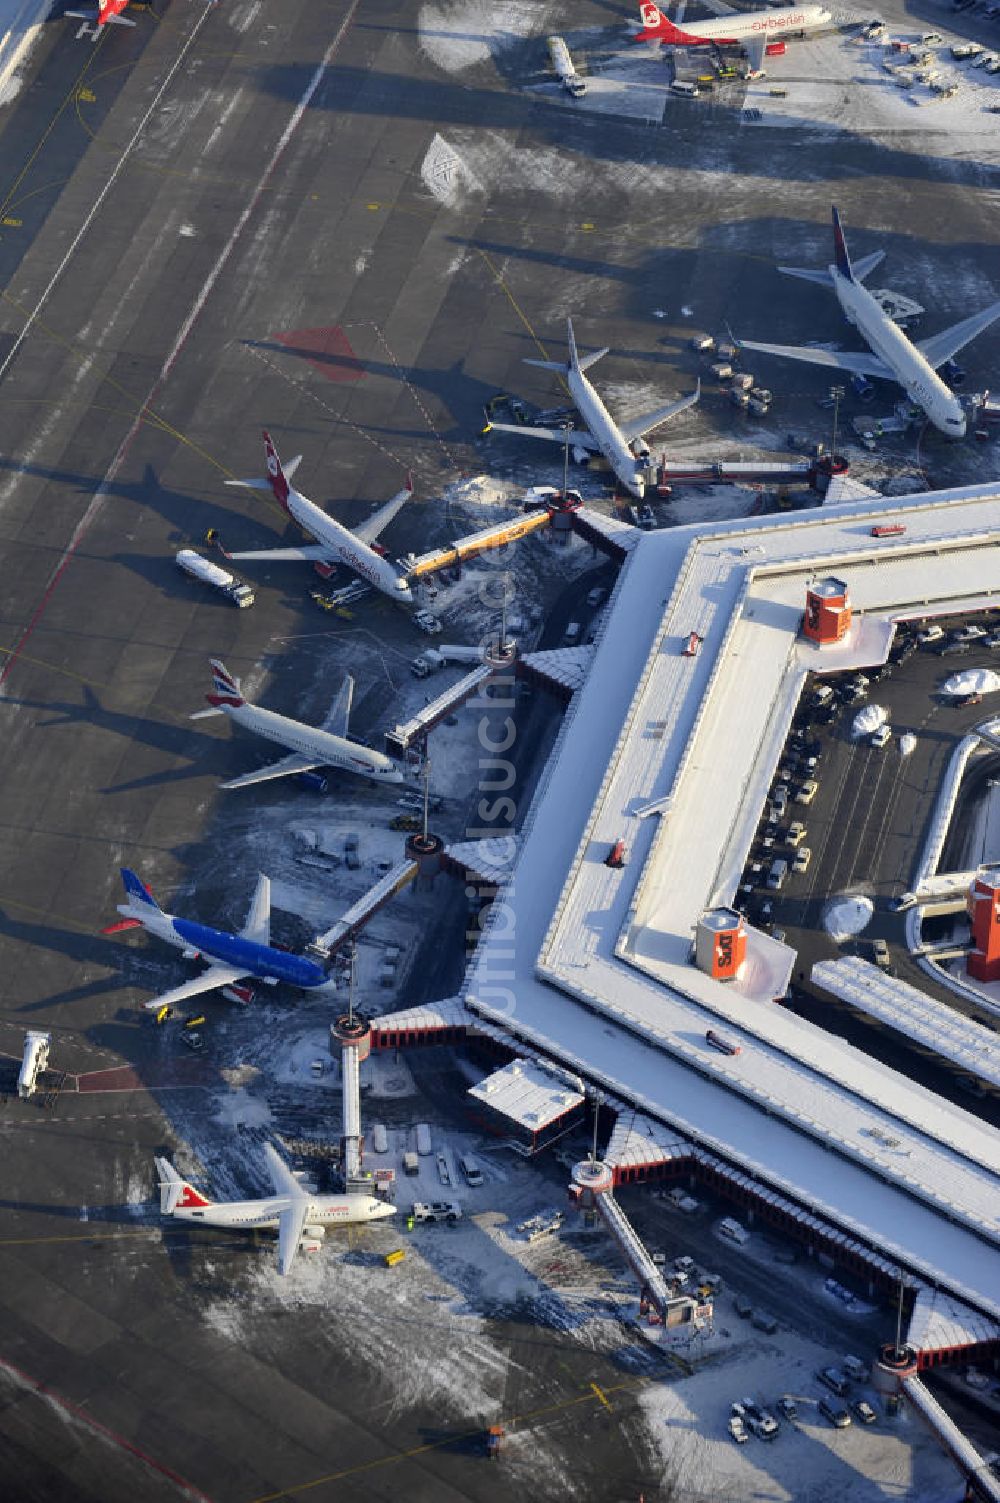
[622, 973]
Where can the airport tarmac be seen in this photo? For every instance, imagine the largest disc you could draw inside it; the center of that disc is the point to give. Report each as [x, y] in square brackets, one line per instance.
[215, 232]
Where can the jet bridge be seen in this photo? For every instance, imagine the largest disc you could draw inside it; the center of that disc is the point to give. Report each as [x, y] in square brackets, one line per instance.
[980, 1482]
[325, 945]
[402, 737]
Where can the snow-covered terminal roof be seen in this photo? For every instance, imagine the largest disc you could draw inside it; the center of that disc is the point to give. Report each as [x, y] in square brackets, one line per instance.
[673, 753]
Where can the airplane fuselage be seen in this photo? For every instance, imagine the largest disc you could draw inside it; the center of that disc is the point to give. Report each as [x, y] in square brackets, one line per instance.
[320, 746]
[263, 962]
[731, 29]
[914, 373]
[327, 1210]
[347, 550]
[605, 432]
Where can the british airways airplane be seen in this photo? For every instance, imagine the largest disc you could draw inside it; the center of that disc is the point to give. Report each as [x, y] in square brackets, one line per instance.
[309, 746]
[893, 357]
[232, 958]
[334, 544]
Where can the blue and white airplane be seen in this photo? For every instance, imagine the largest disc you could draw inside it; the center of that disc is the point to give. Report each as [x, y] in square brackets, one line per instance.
[232, 958]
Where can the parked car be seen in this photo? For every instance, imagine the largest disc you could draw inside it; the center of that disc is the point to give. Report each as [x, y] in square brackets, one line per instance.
[803, 856]
[968, 633]
[864, 1412]
[881, 737]
[932, 633]
[834, 1379]
[737, 1430]
[838, 1416]
[761, 1423]
[795, 834]
[788, 1407]
[807, 792]
[952, 649]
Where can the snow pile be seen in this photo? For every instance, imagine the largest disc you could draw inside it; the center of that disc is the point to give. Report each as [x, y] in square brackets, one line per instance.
[237, 1109]
[462, 35]
[907, 744]
[844, 917]
[972, 681]
[868, 720]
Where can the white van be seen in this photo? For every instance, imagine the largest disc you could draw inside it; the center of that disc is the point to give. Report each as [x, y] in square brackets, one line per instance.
[734, 1231]
[380, 1138]
[471, 1170]
[685, 90]
[776, 876]
[423, 1138]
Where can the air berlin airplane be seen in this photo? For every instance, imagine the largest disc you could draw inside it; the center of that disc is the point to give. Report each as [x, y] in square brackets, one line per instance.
[728, 31]
[108, 12]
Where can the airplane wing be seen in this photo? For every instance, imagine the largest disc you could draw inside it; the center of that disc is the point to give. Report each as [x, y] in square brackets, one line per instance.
[283, 769]
[291, 1225]
[340, 711]
[282, 1178]
[579, 438]
[215, 976]
[941, 347]
[839, 360]
[308, 553]
[650, 420]
[370, 529]
[258, 924]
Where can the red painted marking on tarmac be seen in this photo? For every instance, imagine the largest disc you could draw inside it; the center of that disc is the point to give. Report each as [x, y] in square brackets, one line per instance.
[156, 1076]
[327, 351]
[44, 1390]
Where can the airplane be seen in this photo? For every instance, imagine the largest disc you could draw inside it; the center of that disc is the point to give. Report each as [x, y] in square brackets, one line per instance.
[334, 544]
[894, 357]
[232, 958]
[311, 746]
[293, 1210]
[751, 30]
[108, 12]
[622, 445]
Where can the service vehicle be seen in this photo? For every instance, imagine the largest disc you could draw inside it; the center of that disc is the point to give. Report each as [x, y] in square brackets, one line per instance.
[411, 822]
[734, 1231]
[788, 1407]
[721, 370]
[701, 342]
[425, 622]
[471, 1170]
[684, 1264]
[882, 736]
[193, 1041]
[220, 579]
[563, 67]
[864, 1412]
[411, 1162]
[761, 1422]
[682, 1201]
[969, 633]
[437, 1210]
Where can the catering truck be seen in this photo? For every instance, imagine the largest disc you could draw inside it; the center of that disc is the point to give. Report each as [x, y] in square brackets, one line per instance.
[220, 579]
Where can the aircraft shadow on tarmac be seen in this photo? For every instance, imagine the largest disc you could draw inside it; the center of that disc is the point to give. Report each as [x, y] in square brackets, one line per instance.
[612, 138]
[451, 387]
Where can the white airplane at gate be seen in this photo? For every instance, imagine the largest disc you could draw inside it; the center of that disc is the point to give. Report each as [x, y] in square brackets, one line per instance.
[309, 746]
[751, 30]
[622, 445]
[293, 1211]
[335, 544]
[894, 357]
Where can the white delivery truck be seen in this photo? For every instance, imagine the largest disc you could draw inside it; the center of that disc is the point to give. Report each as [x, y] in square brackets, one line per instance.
[220, 579]
[35, 1061]
[562, 66]
[434, 658]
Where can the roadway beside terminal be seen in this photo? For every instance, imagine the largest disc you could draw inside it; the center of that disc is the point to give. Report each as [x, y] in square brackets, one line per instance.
[804, 1111]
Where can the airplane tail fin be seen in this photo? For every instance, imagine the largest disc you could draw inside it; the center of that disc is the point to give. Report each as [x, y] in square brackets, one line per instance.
[137, 892]
[175, 1191]
[278, 475]
[227, 688]
[575, 363]
[656, 27]
[840, 248]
